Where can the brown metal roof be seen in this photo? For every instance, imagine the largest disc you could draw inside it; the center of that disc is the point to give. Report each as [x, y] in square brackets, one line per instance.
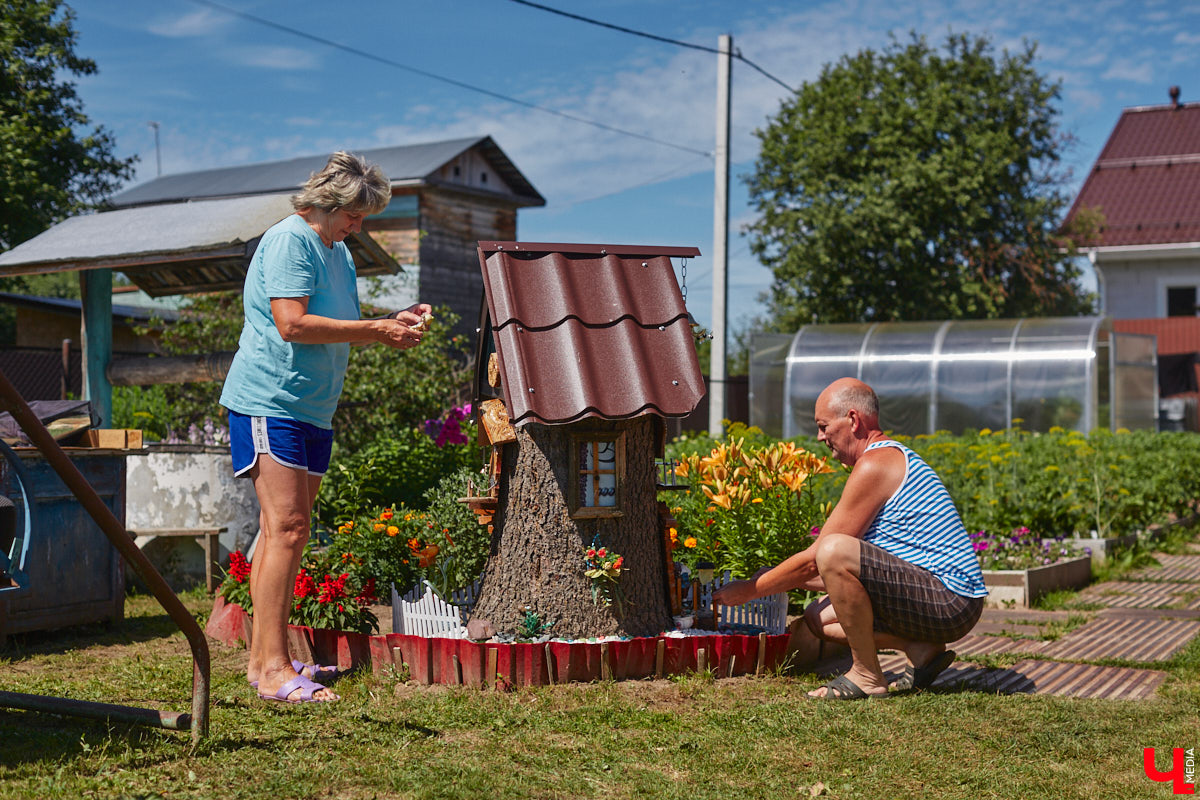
[586, 330]
[1146, 181]
[1176, 335]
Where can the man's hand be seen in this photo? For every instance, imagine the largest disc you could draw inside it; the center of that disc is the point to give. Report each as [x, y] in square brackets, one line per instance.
[735, 593]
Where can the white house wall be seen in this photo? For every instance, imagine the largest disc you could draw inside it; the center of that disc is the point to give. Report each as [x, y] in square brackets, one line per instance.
[1137, 289]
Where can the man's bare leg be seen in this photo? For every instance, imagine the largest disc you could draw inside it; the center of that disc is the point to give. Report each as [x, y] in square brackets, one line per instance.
[837, 561]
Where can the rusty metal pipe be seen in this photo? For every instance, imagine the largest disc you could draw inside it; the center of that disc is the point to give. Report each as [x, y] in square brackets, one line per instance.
[12, 402]
[173, 720]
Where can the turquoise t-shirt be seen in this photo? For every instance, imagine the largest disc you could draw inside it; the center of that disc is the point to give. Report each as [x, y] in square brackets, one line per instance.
[273, 378]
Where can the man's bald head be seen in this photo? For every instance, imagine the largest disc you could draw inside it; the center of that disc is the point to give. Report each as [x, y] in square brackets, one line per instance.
[845, 394]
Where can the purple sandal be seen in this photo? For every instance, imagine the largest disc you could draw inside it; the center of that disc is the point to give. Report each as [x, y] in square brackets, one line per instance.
[307, 687]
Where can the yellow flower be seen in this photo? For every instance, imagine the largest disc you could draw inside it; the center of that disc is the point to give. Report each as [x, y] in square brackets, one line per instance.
[690, 541]
[379, 526]
[756, 500]
[392, 530]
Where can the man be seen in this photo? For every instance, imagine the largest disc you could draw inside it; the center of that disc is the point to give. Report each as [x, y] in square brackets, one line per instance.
[894, 559]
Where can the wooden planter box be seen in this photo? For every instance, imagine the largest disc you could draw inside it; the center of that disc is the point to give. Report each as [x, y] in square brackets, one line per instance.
[1102, 549]
[1020, 588]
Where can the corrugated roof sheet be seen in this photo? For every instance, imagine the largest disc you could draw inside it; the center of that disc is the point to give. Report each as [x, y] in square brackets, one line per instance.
[590, 331]
[1146, 181]
[173, 248]
[1176, 335]
[408, 162]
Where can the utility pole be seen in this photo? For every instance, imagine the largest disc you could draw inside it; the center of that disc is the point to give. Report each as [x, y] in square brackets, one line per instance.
[157, 151]
[720, 272]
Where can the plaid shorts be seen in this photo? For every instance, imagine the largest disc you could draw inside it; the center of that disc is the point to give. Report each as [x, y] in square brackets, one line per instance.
[910, 602]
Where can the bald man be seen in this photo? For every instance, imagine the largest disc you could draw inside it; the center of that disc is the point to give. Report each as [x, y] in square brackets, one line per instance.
[894, 559]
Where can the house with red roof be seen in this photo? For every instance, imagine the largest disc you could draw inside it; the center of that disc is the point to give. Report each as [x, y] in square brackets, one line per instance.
[1145, 190]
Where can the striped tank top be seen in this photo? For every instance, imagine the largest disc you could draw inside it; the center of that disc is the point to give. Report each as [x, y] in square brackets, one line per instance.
[920, 524]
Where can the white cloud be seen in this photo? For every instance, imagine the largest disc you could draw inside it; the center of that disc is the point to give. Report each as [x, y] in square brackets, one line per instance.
[1125, 69]
[197, 23]
[1187, 39]
[275, 57]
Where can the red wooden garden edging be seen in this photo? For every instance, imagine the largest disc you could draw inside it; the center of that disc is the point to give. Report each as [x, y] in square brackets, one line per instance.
[468, 663]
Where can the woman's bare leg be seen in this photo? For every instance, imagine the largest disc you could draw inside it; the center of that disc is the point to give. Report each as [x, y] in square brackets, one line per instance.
[286, 496]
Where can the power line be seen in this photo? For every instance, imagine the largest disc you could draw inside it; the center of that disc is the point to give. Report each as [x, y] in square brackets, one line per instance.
[738, 55]
[433, 76]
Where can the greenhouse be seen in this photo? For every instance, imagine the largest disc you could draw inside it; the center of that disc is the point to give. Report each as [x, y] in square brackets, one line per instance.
[1072, 372]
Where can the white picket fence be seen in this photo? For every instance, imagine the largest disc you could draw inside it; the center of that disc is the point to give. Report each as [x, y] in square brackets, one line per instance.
[426, 614]
[421, 612]
[768, 613]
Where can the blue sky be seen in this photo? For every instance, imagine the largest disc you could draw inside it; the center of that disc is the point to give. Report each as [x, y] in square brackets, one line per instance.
[229, 91]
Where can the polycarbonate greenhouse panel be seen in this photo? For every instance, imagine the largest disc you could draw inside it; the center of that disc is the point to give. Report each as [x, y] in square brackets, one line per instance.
[964, 374]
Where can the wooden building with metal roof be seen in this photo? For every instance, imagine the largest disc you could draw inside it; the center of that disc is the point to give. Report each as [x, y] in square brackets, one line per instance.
[197, 231]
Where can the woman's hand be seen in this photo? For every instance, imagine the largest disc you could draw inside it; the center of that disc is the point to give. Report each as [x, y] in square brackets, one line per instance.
[403, 329]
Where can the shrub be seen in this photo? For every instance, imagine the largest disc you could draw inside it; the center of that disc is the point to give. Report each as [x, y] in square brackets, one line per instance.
[393, 470]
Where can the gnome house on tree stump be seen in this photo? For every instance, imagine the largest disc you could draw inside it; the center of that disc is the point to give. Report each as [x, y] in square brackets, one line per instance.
[583, 351]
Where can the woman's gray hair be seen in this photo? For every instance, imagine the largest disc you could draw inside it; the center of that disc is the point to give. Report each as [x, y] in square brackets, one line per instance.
[348, 182]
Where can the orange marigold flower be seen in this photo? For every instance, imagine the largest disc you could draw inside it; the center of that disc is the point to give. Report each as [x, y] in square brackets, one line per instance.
[690, 541]
[386, 514]
[379, 526]
[392, 530]
[414, 544]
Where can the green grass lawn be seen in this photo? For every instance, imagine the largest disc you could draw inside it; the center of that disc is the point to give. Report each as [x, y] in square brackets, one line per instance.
[690, 737]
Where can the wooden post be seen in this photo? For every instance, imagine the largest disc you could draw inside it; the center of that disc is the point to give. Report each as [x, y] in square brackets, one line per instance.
[701, 660]
[732, 665]
[95, 288]
[489, 672]
[605, 667]
[457, 669]
[762, 655]
[549, 664]
[660, 657]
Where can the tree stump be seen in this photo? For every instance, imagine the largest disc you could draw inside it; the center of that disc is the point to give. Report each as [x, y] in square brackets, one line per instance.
[537, 548]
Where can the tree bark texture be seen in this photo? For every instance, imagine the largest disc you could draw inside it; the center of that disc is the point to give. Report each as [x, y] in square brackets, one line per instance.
[537, 549]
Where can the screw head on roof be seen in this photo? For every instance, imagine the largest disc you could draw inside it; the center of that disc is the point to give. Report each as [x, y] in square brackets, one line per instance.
[662, 327]
[603, 252]
[674, 383]
[531, 390]
[644, 264]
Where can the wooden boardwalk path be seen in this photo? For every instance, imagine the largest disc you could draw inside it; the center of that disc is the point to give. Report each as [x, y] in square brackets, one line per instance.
[1139, 621]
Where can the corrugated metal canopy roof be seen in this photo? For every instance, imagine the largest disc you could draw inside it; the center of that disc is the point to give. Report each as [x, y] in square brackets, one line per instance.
[590, 331]
[172, 248]
[1146, 181]
[405, 163]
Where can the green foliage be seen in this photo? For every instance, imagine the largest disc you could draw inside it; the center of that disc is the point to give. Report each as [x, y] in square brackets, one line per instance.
[915, 184]
[209, 323]
[144, 407]
[464, 552]
[388, 391]
[1064, 482]
[51, 164]
[396, 469]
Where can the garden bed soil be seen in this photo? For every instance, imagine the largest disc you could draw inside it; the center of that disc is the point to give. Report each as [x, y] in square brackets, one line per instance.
[1021, 588]
[482, 664]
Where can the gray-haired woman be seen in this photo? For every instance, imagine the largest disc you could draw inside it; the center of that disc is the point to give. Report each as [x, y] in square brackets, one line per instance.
[301, 316]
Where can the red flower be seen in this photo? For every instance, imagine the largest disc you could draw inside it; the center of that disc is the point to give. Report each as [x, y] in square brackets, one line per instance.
[333, 588]
[305, 585]
[239, 567]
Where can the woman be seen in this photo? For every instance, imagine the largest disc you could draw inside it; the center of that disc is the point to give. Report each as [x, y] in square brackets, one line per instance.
[301, 316]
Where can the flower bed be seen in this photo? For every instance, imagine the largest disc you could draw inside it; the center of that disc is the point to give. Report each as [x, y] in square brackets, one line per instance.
[483, 664]
[1022, 587]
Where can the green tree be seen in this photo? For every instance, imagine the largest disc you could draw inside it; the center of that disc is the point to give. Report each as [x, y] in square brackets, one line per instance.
[51, 164]
[914, 184]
